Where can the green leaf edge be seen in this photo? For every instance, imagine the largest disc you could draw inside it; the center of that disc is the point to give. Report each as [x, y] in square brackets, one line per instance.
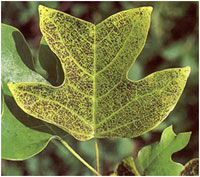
[40, 150]
[170, 128]
[24, 42]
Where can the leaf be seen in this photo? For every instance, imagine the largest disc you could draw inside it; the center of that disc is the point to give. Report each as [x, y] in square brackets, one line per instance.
[96, 98]
[191, 168]
[156, 159]
[14, 54]
[27, 135]
[22, 135]
[18, 141]
[126, 168]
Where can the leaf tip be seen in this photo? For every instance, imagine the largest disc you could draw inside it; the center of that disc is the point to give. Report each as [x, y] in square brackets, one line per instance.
[40, 7]
[187, 135]
[147, 9]
[10, 84]
[150, 9]
[169, 128]
[190, 133]
[187, 70]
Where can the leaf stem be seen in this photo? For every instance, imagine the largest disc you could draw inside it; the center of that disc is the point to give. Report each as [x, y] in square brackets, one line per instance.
[78, 156]
[97, 154]
[136, 171]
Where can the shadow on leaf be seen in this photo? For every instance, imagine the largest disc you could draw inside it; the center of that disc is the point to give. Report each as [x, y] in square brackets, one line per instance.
[23, 50]
[49, 62]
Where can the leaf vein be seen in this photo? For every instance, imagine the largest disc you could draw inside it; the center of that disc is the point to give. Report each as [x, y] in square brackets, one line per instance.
[116, 54]
[70, 55]
[75, 88]
[149, 93]
[105, 94]
[65, 107]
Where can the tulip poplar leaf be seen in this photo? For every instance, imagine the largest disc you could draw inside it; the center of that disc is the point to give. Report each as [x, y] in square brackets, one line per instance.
[156, 159]
[96, 98]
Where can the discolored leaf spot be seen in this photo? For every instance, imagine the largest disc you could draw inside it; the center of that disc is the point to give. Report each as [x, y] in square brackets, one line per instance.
[96, 98]
[191, 168]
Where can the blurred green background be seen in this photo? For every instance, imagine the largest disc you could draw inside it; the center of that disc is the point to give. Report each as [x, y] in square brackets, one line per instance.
[172, 42]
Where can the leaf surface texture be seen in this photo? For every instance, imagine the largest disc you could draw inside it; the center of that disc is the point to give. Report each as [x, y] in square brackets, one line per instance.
[96, 98]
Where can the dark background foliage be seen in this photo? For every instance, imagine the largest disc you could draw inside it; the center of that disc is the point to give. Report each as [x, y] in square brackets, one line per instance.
[172, 42]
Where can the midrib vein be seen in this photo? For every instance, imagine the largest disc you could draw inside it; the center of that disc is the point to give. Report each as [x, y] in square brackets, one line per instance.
[94, 84]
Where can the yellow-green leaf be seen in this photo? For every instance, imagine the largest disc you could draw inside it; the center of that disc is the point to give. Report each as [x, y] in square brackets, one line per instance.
[97, 99]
